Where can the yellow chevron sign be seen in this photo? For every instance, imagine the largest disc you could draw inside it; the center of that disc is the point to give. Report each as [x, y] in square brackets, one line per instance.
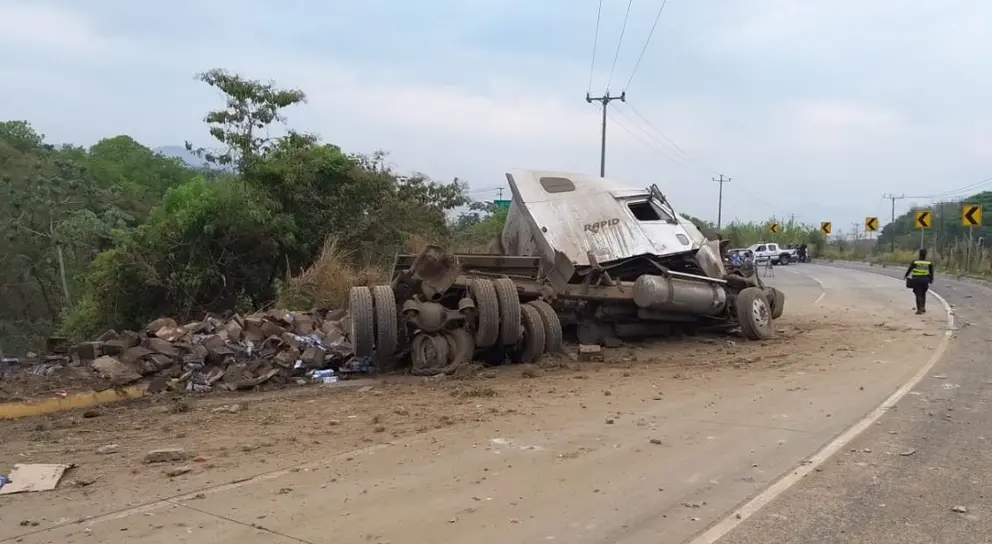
[971, 215]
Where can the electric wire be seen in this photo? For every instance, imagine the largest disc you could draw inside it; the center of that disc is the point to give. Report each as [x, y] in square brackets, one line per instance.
[595, 45]
[678, 149]
[623, 30]
[647, 42]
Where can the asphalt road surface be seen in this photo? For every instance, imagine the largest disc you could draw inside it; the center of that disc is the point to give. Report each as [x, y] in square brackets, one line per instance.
[923, 472]
[662, 443]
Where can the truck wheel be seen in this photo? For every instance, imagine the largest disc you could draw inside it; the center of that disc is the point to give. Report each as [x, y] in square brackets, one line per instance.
[509, 311]
[754, 314]
[778, 306]
[534, 337]
[784, 259]
[386, 330]
[552, 325]
[362, 318]
[487, 308]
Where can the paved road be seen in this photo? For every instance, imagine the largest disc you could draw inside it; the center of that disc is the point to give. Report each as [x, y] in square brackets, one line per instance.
[625, 458]
[923, 473]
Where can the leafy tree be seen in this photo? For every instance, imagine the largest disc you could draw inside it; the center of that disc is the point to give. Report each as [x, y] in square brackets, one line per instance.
[224, 243]
[251, 106]
[136, 176]
[52, 220]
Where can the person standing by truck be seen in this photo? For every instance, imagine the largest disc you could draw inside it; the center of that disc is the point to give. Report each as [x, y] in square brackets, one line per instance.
[919, 277]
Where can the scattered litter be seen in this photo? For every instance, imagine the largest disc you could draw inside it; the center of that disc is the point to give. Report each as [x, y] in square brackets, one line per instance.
[908, 452]
[36, 477]
[217, 353]
[960, 509]
[108, 449]
[590, 352]
[178, 471]
[166, 455]
[323, 376]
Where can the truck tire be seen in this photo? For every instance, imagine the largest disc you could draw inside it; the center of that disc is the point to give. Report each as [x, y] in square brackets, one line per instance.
[487, 309]
[778, 304]
[534, 336]
[784, 259]
[552, 326]
[386, 325]
[509, 311]
[754, 314]
[362, 316]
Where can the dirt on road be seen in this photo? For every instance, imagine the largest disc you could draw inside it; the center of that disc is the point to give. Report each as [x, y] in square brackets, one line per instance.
[324, 428]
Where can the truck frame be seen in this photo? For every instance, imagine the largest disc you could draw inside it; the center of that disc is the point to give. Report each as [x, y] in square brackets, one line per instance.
[588, 254]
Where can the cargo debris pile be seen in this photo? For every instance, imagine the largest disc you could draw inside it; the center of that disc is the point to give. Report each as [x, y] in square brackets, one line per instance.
[215, 353]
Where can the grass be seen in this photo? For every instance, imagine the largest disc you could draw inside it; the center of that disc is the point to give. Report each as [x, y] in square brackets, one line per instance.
[326, 283]
[952, 259]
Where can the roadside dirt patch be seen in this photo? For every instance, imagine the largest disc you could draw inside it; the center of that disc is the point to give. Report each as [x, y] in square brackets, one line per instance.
[233, 436]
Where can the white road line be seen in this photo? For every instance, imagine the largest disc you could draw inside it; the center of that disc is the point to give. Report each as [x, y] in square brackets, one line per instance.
[823, 290]
[718, 531]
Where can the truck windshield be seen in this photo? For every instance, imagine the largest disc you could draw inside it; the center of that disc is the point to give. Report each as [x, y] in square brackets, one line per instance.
[649, 209]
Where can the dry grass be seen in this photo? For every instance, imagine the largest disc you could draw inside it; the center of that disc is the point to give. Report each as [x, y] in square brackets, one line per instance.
[325, 284]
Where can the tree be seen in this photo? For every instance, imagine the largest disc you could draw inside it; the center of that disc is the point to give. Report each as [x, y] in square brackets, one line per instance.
[251, 106]
[53, 220]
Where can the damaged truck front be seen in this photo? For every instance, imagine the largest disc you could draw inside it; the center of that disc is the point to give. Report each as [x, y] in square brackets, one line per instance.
[651, 270]
[610, 260]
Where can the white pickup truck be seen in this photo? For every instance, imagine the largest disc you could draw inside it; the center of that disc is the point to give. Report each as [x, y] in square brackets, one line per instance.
[764, 251]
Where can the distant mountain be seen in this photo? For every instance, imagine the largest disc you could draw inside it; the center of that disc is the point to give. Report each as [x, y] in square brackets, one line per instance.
[179, 152]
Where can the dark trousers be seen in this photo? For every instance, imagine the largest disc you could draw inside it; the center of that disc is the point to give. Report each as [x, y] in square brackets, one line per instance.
[920, 287]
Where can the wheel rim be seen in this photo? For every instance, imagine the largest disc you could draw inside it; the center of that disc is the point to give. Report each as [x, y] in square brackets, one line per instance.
[760, 312]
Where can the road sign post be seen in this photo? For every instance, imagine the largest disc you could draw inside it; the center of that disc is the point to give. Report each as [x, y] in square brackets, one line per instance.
[971, 217]
[773, 228]
[871, 225]
[825, 227]
[923, 221]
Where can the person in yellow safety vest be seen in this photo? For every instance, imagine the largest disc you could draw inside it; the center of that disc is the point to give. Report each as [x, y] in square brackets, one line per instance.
[919, 276]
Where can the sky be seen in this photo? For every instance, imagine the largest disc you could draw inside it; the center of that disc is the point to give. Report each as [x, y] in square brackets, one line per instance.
[813, 107]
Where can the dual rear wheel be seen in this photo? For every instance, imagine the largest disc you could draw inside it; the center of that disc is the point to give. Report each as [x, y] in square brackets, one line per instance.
[526, 330]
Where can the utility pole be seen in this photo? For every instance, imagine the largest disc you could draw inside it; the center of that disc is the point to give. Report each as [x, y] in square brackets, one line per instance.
[605, 101]
[719, 206]
[893, 198]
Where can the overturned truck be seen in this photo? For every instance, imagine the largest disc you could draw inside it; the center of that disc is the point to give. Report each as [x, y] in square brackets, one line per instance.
[577, 254]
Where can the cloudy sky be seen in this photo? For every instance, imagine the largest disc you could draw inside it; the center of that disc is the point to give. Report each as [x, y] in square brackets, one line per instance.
[813, 107]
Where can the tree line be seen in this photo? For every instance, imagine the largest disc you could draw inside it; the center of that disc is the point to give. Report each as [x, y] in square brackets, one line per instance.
[114, 235]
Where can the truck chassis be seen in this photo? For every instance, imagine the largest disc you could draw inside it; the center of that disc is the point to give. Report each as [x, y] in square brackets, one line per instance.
[443, 310]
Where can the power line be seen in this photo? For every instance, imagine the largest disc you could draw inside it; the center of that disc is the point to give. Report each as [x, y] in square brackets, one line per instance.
[658, 145]
[623, 30]
[953, 192]
[595, 45]
[644, 49]
[685, 155]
